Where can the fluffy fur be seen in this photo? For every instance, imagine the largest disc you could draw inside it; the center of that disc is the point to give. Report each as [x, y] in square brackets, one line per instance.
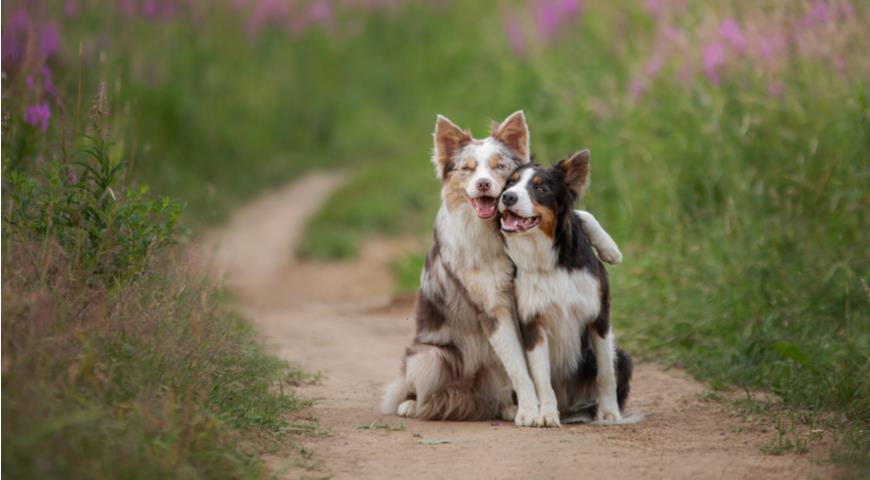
[562, 294]
[466, 358]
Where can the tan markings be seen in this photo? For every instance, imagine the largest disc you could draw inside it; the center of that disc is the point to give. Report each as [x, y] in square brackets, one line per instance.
[471, 163]
[548, 220]
[489, 321]
[499, 311]
[537, 180]
[515, 177]
[449, 139]
[487, 324]
[454, 191]
[494, 161]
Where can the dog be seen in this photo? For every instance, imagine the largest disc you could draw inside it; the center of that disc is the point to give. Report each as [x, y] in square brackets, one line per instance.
[466, 361]
[562, 295]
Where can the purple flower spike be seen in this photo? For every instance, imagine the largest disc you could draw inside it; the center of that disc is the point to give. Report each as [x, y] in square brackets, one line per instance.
[729, 31]
[320, 12]
[49, 39]
[70, 8]
[15, 37]
[654, 7]
[514, 32]
[38, 115]
[548, 20]
[20, 21]
[47, 82]
[713, 59]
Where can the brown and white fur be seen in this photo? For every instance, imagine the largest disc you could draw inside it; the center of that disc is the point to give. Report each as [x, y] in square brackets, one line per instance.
[466, 358]
[562, 294]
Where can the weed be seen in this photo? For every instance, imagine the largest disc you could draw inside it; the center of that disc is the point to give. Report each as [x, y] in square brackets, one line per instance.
[382, 426]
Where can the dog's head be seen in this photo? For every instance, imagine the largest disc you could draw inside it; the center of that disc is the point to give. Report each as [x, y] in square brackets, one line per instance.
[537, 198]
[473, 172]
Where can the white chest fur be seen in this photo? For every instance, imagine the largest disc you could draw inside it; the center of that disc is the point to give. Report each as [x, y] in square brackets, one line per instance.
[565, 301]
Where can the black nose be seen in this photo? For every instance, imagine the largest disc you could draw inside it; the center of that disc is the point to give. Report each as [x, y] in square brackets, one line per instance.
[483, 185]
[509, 198]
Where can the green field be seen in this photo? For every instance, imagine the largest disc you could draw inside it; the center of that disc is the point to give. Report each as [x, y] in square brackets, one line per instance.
[730, 160]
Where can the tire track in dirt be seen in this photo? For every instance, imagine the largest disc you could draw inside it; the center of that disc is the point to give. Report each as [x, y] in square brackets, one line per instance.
[337, 318]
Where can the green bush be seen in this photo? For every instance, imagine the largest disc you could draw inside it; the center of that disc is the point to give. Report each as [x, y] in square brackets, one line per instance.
[111, 231]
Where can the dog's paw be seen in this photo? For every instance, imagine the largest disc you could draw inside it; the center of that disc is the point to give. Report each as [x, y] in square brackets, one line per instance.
[408, 408]
[508, 413]
[610, 255]
[526, 416]
[608, 412]
[549, 417]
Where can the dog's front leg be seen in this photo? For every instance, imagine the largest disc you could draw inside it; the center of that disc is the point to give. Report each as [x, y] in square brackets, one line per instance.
[607, 249]
[608, 407]
[538, 354]
[505, 341]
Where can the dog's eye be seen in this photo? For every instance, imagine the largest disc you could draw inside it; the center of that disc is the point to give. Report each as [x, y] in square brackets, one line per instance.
[467, 169]
[541, 189]
[500, 166]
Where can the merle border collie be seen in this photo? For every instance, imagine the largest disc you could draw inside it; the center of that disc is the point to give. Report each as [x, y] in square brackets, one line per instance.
[562, 293]
[466, 360]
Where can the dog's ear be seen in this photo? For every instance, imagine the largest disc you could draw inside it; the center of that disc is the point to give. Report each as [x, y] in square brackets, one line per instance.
[514, 132]
[576, 171]
[448, 139]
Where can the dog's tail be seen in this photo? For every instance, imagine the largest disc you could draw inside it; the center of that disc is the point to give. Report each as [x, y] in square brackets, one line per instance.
[397, 392]
[456, 403]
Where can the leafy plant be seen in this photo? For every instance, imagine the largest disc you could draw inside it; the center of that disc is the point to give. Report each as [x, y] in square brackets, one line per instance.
[110, 231]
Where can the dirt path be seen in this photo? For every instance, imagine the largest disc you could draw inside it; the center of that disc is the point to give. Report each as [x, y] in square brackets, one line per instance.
[337, 319]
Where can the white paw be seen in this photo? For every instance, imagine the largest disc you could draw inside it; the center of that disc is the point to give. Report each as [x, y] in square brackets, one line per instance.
[408, 408]
[526, 416]
[508, 413]
[608, 411]
[610, 255]
[549, 417]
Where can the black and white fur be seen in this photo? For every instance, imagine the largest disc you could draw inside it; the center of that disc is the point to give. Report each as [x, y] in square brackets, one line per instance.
[562, 294]
[466, 358]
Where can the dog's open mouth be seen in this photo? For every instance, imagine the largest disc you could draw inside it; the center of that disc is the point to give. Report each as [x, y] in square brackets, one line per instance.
[513, 223]
[484, 206]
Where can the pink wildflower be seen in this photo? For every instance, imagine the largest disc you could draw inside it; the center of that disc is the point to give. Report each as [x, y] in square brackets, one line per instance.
[514, 32]
[729, 31]
[38, 115]
[713, 59]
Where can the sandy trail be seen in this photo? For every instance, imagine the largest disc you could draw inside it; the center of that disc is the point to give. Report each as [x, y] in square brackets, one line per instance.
[337, 318]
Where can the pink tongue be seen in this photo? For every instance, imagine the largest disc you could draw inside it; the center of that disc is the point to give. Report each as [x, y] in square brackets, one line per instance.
[511, 221]
[485, 206]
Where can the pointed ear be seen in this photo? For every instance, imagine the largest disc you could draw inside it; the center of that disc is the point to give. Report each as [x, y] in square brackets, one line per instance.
[449, 138]
[576, 171]
[514, 132]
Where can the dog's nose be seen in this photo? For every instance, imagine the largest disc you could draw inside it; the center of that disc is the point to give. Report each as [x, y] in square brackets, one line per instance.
[509, 198]
[484, 185]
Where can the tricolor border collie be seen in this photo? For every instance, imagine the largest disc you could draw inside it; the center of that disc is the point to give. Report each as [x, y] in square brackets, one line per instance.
[466, 360]
[562, 293]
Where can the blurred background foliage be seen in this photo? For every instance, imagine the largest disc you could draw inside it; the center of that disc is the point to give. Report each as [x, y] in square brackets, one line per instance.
[730, 145]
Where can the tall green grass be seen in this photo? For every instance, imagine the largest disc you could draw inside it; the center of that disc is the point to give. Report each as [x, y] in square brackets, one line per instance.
[155, 379]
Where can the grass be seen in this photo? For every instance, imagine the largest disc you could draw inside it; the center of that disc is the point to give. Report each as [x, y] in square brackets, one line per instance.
[154, 378]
